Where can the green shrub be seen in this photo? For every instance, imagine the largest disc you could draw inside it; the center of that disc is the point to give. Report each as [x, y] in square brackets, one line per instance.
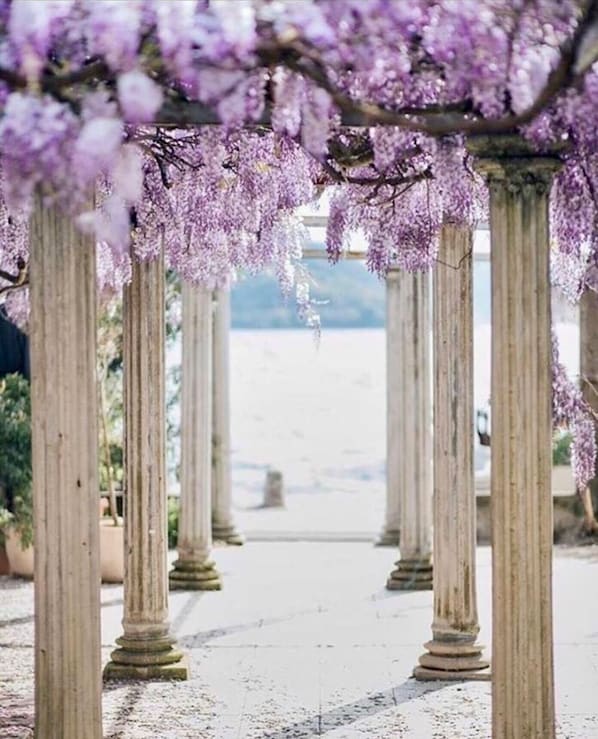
[173, 522]
[15, 456]
[561, 449]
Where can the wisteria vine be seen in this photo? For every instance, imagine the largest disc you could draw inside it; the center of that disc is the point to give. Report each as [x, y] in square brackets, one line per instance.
[202, 126]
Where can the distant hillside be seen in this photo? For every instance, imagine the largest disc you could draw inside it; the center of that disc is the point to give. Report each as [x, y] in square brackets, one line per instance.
[351, 297]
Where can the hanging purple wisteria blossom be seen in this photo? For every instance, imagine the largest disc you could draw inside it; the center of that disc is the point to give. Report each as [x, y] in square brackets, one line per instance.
[570, 411]
[427, 68]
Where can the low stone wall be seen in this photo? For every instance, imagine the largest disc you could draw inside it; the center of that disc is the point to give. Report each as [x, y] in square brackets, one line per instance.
[568, 518]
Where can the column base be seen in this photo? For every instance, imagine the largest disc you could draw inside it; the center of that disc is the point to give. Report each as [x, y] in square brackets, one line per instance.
[411, 574]
[227, 534]
[452, 660]
[388, 538]
[194, 576]
[147, 659]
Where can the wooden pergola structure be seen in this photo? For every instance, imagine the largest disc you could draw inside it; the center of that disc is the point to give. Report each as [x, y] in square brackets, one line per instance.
[67, 584]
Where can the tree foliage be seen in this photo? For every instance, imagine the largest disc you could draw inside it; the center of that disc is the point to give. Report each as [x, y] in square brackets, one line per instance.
[15, 456]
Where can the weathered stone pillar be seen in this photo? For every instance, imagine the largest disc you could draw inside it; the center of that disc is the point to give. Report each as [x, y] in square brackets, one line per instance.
[390, 530]
[65, 479]
[588, 343]
[193, 569]
[588, 372]
[147, 649]
[410, 434]
[453, 653]
[223, 525]
[522, 649]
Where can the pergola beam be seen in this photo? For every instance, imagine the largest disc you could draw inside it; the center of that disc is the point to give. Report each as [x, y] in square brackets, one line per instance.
[189, 113]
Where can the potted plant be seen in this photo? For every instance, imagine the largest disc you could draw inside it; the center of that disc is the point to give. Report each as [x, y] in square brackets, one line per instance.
[16, 501]
[562, 475]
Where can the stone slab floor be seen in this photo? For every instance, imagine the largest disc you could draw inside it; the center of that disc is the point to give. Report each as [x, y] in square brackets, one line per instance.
[305, 641]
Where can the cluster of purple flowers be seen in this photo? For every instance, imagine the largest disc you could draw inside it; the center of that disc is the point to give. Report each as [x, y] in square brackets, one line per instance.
[372, 99]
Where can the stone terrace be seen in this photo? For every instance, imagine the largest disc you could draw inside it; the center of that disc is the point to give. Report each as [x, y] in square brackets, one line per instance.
[305, 641]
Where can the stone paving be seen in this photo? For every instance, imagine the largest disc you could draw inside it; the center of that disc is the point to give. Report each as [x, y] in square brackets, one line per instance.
[305, 641]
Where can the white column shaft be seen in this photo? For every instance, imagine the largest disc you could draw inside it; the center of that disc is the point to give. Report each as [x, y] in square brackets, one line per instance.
[65, 479]
[146, 584]
[146, 648]
[521, 499]
[221, 470]
[414, 438]
[393, 405]
[455, 608]
[411, 434]
[195, 526]
[452, 652]
[193, 569]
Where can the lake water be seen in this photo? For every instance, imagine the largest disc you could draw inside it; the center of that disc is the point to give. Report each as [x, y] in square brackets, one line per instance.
[318, 412]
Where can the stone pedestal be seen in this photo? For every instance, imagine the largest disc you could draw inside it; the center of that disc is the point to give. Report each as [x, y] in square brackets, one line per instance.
[389, 537]
[65, 479]
[453, 653]
[410, 428]
[146, 650]
[273, 490]
[193, 570]
[223, 525]
[522, 643]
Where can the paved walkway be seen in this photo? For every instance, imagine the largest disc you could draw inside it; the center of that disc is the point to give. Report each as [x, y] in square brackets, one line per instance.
[346, 515]
[305, 641]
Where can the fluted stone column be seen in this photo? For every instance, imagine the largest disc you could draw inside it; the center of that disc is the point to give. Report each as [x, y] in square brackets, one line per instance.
[390, 530]
[223, 525]
[453, 653]
[588, 372]
[146, 649]
[411, 433]
[588, 340]
[193, 569]
[522, 642]
[65, 479]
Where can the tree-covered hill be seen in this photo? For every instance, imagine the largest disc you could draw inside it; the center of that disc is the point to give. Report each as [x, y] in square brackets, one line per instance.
[351, 297]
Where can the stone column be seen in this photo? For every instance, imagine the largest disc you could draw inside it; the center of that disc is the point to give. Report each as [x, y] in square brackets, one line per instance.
[412, 433]
[147, 649]
[390, 531]
[522, 645]
[588, 372]
[193, 569]
[65, 479]
[453, 653]
[223, 525]
[588, 342]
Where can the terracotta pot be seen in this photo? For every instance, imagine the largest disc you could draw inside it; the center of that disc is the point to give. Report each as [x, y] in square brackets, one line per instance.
[21, 560]
[562, 480]
[112, 550]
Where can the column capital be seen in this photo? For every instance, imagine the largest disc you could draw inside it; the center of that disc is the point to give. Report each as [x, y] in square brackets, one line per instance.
[512, 162]
[393, 272]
